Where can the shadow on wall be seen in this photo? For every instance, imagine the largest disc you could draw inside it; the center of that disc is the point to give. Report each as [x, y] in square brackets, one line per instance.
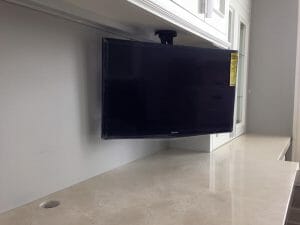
[93, 84]
[89, 84]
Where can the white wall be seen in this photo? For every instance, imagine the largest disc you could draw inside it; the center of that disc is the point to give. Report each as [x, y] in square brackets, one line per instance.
[50, 108]
[273, 41]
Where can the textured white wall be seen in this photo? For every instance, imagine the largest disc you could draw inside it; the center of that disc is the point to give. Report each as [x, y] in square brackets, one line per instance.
[50, 108]
[272, 63]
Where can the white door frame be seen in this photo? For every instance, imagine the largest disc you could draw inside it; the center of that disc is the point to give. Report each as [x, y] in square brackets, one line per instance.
[296, 119]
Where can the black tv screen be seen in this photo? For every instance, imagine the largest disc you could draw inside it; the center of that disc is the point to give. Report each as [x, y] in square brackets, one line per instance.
[152, 90]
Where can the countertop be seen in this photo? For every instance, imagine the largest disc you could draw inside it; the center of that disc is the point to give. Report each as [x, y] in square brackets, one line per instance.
[241, 183]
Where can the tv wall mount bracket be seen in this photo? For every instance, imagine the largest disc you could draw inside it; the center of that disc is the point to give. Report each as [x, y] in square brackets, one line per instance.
[166, 36]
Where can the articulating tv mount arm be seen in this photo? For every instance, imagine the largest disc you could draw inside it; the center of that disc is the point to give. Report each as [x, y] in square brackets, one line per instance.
[166, 36]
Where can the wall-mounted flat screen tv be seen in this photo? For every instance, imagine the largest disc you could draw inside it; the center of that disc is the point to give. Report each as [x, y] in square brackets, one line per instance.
[152, 90]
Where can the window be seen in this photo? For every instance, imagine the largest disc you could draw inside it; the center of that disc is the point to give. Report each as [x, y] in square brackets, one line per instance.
[241, 75]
